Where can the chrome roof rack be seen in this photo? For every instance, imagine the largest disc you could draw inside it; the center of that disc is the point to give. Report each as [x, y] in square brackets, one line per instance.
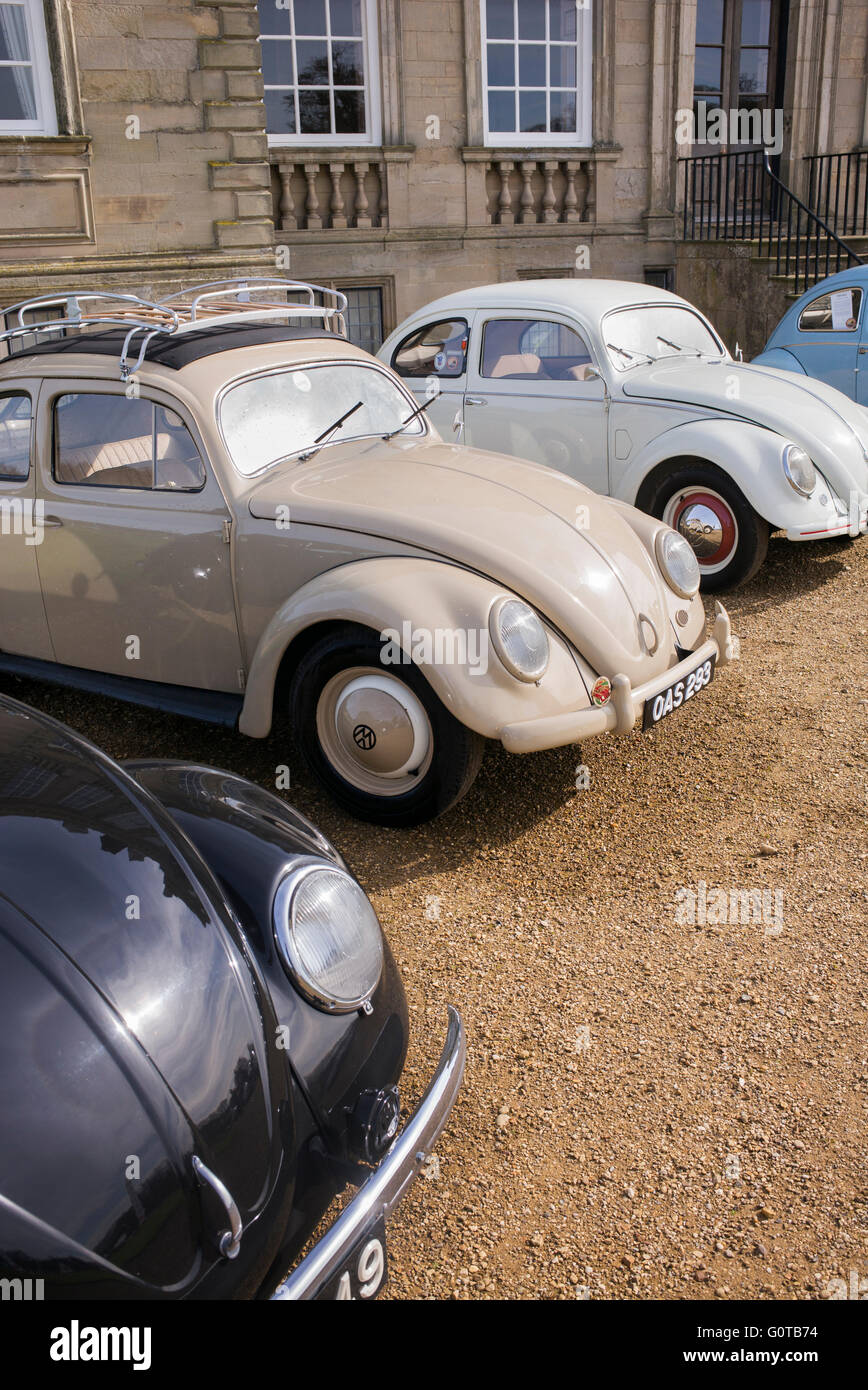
[187, 311]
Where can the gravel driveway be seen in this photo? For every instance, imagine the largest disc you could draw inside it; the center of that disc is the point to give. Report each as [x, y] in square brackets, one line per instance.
[666, 1082]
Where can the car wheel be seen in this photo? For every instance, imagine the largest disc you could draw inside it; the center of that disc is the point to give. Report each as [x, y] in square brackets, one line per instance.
[377, 737]
[704, 505]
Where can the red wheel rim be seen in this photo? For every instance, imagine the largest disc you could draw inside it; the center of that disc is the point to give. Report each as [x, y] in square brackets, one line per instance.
[713, 536]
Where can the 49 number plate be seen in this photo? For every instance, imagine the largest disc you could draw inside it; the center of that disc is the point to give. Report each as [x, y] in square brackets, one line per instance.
[676, 695]
[365, 1271]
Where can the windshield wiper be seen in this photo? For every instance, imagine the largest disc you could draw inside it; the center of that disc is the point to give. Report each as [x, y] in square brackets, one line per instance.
[410, 418]
[625, 352]
[326, 435]
[678, 346]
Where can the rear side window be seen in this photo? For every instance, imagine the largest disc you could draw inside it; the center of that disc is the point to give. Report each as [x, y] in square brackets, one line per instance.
[438, 349]
[533, 348]
[114, 441]
[15, 431]
[837, 312]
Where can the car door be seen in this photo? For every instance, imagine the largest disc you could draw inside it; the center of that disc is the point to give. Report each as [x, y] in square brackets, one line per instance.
[828, 337]
[432, 361]
[862, 364]
[529, 393]
[136, 564]
[23, 624]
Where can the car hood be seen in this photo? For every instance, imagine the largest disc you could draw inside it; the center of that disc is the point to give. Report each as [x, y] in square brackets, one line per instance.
[561, 547]
[137, 1026]
[827, 424]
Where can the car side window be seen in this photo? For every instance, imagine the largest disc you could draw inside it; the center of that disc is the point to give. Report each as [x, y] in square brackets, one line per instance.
[116, 441]
[438, 349]
[528, 349]
[15, 431]
[836, 312]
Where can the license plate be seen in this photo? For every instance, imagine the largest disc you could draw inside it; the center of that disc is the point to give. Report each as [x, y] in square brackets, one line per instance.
[364, 1272]
[677, 694]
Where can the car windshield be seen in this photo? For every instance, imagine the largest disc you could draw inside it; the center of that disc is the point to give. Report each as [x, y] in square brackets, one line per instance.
[283, 414]
[652, 331]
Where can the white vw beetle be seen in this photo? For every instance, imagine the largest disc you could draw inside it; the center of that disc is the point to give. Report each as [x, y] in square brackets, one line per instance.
[630, 390]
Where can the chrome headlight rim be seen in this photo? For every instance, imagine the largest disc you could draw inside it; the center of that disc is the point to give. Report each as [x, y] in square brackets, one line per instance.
[666, 536]
[285, 897]
[786, 461]
[526, 676]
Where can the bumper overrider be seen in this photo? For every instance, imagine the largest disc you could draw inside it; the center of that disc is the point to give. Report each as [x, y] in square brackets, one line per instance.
[625, 707]
[380, 1194]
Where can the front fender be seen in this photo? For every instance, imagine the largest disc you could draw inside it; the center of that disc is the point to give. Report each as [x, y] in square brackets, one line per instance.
[780, 358]
[752, 458]
[433, 597]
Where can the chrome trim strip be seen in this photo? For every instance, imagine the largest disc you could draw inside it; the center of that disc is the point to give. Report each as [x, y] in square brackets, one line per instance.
[380, 1194]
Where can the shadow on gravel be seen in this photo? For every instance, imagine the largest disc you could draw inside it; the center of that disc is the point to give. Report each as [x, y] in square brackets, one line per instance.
[791, 570]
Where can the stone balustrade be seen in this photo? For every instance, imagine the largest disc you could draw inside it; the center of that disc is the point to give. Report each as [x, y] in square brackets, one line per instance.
[523, 189]
[330, 189]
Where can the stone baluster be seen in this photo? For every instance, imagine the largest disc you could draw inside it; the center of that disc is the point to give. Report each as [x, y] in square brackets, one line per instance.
[313, 220]
[288, 216]
[571, 198]
[338, 208]
[383, 206]
[505, 214]
[550, 212]
[587, 198]
[363, 216]
[528, 211]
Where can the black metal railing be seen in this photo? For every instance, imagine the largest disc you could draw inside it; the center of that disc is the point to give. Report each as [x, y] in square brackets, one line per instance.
[838, 190]
[737, 196]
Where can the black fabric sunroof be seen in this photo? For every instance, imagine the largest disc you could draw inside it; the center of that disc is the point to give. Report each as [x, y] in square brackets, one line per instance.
[176, 352]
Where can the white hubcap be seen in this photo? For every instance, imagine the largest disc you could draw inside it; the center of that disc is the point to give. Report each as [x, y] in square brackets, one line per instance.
[375, 731]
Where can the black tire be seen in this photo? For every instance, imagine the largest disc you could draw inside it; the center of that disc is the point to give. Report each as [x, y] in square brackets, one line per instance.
[751, 542]
[456, 752]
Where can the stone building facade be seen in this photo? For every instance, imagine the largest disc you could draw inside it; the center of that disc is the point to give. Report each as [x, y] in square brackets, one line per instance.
[398, 149]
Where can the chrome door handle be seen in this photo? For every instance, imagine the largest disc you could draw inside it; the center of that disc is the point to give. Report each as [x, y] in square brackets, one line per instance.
[52, 521]
[228, 1241]
[475, 400]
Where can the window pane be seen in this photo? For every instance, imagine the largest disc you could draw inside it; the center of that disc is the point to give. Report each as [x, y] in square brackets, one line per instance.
[560, 350]
[499, 19]
[707, 70]
[365, 316]
[14, 436]
[562, 65]
[562, 20]
[105, 441]
[756, 18]
[17, 94]
[273, 20]
[349, 113]
[501, 111]
[438, 349]
[348, 65]
[277, 63]
[532, 65]
[346, 16]
[563, 106]
[13, 34]
[709, 21]
[314, 113]
[179, 465]
[501, 65]
[531, 19]
[532, 111]
[819, 317]
[280, 113]
[313, 63]
[310, 17]
[753, 70]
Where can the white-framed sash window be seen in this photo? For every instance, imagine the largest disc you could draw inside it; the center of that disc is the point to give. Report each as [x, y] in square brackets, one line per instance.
[537, 71]
[26, 90]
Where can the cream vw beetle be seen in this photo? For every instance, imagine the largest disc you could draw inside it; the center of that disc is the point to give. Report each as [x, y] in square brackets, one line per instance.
[223, 507]
[629, 389]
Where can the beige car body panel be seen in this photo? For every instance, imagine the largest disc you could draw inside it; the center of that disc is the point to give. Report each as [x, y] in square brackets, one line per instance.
[381, 533]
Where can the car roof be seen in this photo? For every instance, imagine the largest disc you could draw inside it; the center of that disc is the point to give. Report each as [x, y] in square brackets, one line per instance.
[175, 351]
[590, 297]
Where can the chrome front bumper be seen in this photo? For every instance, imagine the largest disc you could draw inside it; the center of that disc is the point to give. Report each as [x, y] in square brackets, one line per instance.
[626, 704]
[380, 1194]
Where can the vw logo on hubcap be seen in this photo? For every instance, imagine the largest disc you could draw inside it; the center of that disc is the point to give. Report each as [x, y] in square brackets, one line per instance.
[364, 737]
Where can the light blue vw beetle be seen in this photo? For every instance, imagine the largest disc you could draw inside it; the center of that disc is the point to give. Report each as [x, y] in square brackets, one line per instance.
[825, 334]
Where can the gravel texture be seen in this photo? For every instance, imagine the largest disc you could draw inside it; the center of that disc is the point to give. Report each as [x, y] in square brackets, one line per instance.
[653, 1108]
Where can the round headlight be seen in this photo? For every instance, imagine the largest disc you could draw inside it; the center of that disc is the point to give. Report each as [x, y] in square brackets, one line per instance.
[519, 639]
[328, 937]
[800, 471]
[677, 559]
